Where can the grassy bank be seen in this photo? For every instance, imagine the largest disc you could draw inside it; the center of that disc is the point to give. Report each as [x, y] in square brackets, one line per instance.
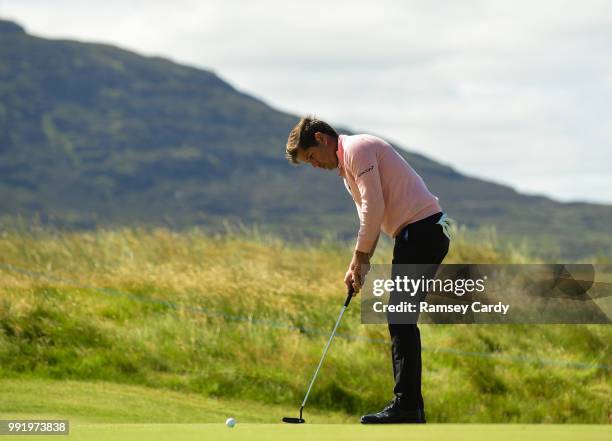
[103, 402]
[244, 317]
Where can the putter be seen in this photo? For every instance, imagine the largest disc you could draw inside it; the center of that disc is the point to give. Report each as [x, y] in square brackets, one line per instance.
[300, 420]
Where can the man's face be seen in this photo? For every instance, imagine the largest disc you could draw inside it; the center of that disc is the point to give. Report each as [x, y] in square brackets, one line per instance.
[323, 155]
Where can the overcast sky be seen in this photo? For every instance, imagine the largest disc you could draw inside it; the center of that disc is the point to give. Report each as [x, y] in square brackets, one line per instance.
[518, 92]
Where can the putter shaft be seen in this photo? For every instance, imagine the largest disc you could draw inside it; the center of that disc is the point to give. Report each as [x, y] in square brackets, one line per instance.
[331, 337]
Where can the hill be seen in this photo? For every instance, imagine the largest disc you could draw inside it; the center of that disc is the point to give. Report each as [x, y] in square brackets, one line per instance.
[93, 135]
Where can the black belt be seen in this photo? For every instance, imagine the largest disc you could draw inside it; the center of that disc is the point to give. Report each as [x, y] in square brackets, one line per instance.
[420, 223]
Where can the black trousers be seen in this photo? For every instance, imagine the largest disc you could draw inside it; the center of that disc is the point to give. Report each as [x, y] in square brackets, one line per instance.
[422, 242]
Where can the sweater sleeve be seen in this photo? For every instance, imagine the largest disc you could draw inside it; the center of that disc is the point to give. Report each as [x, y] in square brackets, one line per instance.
[364, 166]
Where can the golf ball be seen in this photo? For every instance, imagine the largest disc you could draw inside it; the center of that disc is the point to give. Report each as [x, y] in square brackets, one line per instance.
[230, 422]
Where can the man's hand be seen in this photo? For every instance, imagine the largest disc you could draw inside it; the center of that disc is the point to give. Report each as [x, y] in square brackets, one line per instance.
[360, 265]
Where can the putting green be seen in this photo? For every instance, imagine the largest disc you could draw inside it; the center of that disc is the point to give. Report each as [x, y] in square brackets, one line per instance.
[335, 432]
[106, 411]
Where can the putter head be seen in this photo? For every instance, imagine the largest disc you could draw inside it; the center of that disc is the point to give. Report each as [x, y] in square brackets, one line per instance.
[293, 420]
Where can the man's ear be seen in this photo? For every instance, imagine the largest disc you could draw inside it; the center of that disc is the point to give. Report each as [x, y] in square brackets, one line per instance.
[319, 137]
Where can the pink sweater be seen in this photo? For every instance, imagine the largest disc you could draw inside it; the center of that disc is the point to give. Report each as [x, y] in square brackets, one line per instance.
[388, 192]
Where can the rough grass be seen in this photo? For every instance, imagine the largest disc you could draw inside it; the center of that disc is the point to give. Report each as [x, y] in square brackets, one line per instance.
[252, 317]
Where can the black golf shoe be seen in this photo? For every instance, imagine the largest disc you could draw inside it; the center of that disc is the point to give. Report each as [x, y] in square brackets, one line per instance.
[393, 414]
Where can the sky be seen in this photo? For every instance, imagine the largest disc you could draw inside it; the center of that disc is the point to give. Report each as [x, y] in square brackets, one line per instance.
[516, 92]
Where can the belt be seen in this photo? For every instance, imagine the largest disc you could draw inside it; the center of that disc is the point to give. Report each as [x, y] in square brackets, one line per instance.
[444, 221]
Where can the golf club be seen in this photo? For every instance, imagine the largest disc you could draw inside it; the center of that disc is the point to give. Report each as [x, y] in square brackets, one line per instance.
[346, 303]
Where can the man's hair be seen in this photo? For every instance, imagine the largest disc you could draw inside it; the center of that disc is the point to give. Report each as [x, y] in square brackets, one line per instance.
[302, 136]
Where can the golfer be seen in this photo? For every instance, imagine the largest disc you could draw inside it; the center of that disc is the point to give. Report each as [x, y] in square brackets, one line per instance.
[390, 197]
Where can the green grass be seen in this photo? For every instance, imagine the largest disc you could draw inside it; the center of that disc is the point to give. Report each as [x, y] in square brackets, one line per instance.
[101, 411]
[237, 345]
[103, 402]
[307, 432]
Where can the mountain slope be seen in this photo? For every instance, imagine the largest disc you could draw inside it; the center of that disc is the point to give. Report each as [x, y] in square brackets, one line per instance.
[94, 135]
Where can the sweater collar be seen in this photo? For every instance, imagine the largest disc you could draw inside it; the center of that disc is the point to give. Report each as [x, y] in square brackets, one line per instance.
[340, 154]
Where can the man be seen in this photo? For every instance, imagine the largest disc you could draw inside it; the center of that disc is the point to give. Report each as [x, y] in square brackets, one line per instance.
[390, 197]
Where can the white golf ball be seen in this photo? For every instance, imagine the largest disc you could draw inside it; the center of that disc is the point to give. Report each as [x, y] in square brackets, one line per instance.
[230, 422]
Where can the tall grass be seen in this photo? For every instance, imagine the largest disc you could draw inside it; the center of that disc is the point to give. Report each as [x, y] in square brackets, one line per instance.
[253, 314]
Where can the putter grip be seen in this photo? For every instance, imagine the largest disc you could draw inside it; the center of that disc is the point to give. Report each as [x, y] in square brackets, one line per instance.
[349, 296]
